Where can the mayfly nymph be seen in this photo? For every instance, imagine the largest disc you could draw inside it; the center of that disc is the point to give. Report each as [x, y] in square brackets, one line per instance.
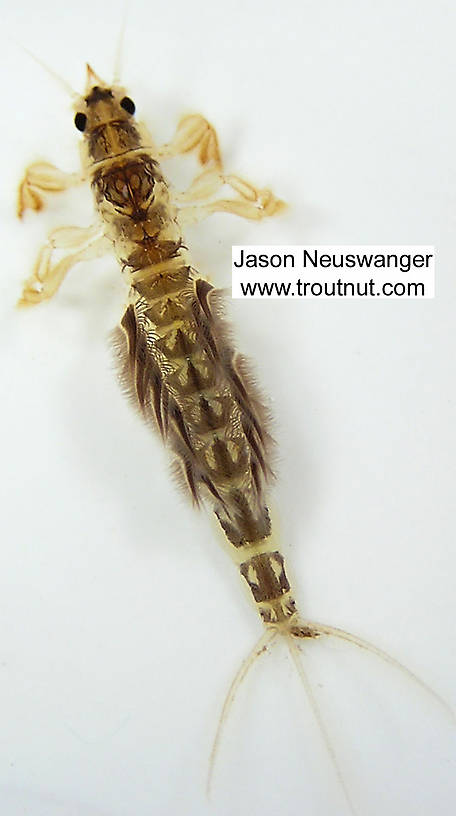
[177, 360]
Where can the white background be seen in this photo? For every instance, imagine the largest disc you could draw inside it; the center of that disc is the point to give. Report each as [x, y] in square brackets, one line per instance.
[122, 619]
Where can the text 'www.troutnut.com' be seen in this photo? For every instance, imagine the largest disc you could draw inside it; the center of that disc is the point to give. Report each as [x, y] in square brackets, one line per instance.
[333, 271]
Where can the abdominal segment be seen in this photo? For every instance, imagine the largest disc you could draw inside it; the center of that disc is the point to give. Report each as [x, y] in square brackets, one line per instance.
[188, 379]
[183, 373]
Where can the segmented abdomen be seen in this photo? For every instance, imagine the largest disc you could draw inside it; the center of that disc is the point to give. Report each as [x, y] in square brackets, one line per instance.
[187, 377]
[183, 373]
[181, 367]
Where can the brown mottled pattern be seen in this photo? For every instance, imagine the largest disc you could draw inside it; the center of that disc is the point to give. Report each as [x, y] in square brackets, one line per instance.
[123, 133]
[180, 367]
[265, 575]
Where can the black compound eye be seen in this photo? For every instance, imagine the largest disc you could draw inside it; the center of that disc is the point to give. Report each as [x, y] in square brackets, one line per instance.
[128, 105]
[80, 120]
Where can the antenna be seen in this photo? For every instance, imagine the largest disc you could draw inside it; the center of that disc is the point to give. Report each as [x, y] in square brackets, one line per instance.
[119, 48]
[62, 82]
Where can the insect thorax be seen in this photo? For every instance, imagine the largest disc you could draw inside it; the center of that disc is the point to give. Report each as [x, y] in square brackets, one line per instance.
[184, 373]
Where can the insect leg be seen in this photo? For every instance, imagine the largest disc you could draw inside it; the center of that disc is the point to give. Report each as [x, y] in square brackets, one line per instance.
[251, 202]
[203, 186]
[42, 177]
[194, 132]
[47, 277]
